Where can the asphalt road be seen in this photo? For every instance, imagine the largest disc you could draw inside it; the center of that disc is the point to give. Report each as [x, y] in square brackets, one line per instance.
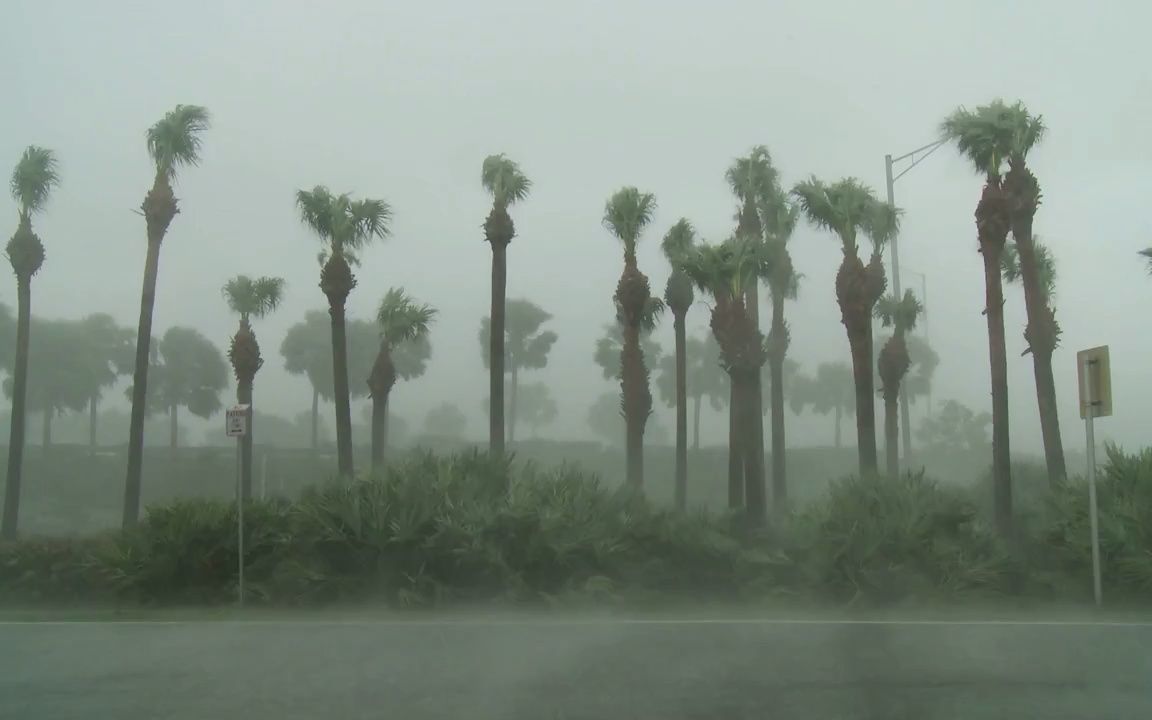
[553, 669]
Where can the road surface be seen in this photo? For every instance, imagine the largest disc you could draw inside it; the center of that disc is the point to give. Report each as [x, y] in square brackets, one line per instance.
[568, 669]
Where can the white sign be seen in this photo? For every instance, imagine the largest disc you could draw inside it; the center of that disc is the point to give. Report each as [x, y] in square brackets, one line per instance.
[236, 420]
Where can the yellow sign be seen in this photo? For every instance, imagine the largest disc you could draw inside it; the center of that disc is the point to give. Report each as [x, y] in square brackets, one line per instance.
[1093, 365]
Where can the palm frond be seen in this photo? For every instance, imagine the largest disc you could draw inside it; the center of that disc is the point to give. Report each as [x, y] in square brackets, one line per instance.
[779, 216]
[844, 207]
[402, 319]
[901, 313]
[369, 220]
[1146, 253]
[33, 178]
[316, 207]
[1027, 129]
[253, 297]
[175, 140]
[882, 223]
[752, 176]
[678, 241]
[1010, 263]
[627, 213]
[345, 223]
[504, 180]
[986, 135]
[1046, 265]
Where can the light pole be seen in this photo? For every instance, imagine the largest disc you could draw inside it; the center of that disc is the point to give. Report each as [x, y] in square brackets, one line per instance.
[914, 157]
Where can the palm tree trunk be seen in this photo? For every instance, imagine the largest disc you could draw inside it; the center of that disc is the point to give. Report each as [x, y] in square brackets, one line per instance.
[379, 430]
[892, 433]
[696, 421]
[681, 341]
[862, 374]
[735, 452]
[998, 363]
[19, 396]
[1049, 417]
[515, 385]
[92, 402]
[140, 384]
[496, 350]
[173, 428]
[631, 378]
[776, 401]
[340, 390]
[315, 418]
[244, 397]
[756, 491]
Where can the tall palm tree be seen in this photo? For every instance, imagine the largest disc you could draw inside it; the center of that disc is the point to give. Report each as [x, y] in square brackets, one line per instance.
[848, 208]
[779, 219]
[402, 321]
[526, 347]
[679, 296]
[1042, 332]
[626, 214]
[900, 315]
[753, 180]
[985, 138]
[725, 271]
[33, 179]
[249, 298]
[173, 142]
[345, 226]
[507, 184]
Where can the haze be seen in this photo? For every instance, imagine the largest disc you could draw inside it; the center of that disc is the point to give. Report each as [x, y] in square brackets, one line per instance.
[404, 100]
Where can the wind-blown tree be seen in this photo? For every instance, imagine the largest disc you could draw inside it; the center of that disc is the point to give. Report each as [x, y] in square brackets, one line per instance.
[307, 351]
[58, 382]
[189, 372]
[446, 420]
[678, 242]
[626, 214]
[249, 298]
[918, 382]
[1022, 191]
[1011, 270]
[832, 390]
[849, 208]
[779, 221]
[705, 379]
[985, 138]
[173, 142]
[503, 179]
[32, 182]
[607, 423]
[402, 322]
[107, 354]
[537, 406]
[526, 347]
[611, 343]
[893, 365]
[753, 180]
[724, 272]
[345, 226]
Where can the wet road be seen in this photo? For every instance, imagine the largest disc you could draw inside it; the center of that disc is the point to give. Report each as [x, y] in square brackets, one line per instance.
[553, 669]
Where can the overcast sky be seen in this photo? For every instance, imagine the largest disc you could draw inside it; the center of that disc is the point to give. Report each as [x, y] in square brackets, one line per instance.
[403, 100]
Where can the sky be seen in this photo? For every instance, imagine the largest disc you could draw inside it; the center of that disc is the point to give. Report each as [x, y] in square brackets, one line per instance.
[402, 101]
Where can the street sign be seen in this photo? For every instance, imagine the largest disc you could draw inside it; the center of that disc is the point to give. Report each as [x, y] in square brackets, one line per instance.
[236, 420]
[1092, 366]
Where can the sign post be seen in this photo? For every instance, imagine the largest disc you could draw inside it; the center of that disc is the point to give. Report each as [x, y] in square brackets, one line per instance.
[1094, 376]
[236, 425]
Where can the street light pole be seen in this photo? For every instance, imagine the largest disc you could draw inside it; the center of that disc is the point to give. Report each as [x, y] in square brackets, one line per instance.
[916, 157]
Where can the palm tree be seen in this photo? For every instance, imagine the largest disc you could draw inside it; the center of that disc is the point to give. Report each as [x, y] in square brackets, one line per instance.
[725, 271]
[188, 371]
[32, 181]
[752, 180]
[249, 298]
[1042, 332]
[893, 364]
[107, 355]
[173, 142]
[526, 347]
[831, 391]
[678, 296]
[780, 217]
[985, 138]
[503, 179]
[345, 226]
[626, 214]
[402, 321]
[847, 208]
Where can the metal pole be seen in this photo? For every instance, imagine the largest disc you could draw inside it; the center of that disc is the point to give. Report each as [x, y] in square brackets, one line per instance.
[1089, 414]
[239, 526]
[905, 421]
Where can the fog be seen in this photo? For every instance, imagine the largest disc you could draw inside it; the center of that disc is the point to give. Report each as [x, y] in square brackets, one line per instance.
[403, 101]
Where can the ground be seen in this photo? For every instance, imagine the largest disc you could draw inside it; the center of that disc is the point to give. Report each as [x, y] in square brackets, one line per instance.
[545, 667]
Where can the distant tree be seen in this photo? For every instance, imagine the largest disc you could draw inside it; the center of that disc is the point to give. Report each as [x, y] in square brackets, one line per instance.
[611, 344]
[918, 382]
[32, 182]
[507, 184]
[537, 407]
[57, 382]
[678, 297]
[607, 423]
[345, 226]
[107, 353]
[957, 429]
[189, 372]
[307, 351]
[446, 421]
[831, 391]
[626, 214]
[894, 362]
[173, 142]
[249, 298]
[705, 379]
[526, 347]
[403, 322]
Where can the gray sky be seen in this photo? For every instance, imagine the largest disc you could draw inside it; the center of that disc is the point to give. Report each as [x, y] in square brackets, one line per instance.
[403, 101]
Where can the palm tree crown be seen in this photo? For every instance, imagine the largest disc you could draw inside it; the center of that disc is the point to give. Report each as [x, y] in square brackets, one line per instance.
[504, 180]
[175, 140]
[845, 207]
[993, 133]
[678, 241]
[1045, 265]
[723, 270]
[627, 213]
[253, 297]
[752, 177]
[900, 314]
[402, 319]
[346, 224]
[33, 179]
